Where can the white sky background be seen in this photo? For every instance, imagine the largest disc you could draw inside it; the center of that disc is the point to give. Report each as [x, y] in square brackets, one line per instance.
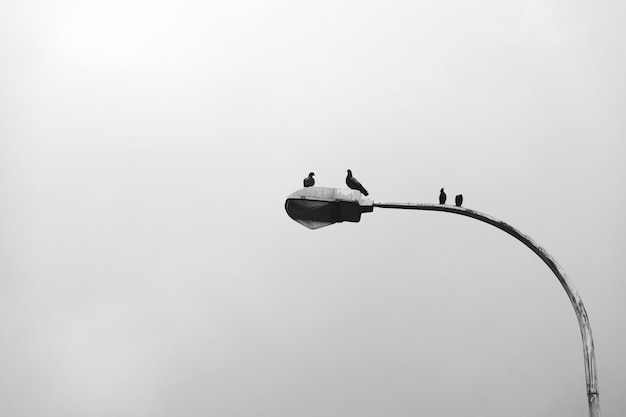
[147, 265]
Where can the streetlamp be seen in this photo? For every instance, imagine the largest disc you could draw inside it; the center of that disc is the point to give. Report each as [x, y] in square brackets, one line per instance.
[316, 207]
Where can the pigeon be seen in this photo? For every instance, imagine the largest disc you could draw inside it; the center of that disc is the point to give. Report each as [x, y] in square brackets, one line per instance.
[442, 197]
[355, 184]
[459, 200]
[309, 181]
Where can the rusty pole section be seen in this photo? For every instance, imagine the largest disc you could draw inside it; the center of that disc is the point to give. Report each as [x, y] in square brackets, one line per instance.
[583, 320]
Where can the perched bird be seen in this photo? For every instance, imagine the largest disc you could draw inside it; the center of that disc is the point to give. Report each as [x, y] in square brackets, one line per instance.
[355, 184]
[309, 181]
[459, 200]
[442, 197]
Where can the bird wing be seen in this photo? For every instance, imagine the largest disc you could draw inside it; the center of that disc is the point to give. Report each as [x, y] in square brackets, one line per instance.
[357, 185]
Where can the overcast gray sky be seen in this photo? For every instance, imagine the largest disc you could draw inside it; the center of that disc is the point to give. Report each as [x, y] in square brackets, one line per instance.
[147, 265]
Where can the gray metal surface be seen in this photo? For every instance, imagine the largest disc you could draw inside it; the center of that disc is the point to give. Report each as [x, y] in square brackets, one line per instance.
[583, 320]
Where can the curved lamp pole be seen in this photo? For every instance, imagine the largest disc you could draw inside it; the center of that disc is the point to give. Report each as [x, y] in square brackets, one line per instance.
[316, 207]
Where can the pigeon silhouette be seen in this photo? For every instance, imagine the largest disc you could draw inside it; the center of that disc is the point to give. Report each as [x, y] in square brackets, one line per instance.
[309, 181]
[459, 200]
[442, 197]
[355, 184]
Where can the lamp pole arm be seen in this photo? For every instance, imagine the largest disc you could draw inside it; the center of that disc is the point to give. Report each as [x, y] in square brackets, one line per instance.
[581, 314]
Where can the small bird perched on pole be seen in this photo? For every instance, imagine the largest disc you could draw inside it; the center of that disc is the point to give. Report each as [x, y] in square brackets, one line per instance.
[442, 197]
[309, 181]
[355, 184]
[459, 200]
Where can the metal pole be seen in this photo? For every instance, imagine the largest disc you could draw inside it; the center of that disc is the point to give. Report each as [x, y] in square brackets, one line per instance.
[581, 314]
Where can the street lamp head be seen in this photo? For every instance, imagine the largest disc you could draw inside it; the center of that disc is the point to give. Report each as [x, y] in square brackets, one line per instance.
[315, 207]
